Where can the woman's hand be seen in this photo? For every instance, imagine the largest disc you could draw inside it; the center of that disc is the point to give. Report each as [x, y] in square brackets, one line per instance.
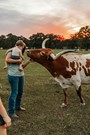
[28, 61]
[19, 61]
[7, 120]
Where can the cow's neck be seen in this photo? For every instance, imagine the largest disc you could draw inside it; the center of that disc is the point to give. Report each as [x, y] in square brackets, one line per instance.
[56, 67]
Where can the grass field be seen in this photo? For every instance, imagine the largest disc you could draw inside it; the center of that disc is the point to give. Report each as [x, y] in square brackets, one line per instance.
[42, 99]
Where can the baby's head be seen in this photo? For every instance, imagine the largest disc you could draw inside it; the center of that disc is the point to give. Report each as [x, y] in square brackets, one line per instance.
[20, 43]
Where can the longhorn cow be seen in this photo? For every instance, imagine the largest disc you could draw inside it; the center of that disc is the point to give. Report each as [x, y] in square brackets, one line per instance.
[67, 67]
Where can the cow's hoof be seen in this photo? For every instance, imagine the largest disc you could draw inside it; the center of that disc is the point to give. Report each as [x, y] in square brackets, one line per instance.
[63, 105]
[82, 104]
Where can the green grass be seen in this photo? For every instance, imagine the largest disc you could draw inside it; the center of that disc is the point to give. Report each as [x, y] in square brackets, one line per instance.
[42, 99]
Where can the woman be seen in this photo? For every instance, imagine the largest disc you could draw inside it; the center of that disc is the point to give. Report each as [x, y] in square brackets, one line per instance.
[5, 120]
[16, 80]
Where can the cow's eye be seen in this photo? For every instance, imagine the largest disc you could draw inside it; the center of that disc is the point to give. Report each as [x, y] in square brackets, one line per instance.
[42, 53]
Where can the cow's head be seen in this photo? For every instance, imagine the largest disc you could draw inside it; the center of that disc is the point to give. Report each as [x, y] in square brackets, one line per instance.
[45, 54]
[40, 55]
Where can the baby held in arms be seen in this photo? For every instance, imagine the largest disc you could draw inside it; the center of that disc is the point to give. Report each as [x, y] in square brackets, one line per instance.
[16, 53]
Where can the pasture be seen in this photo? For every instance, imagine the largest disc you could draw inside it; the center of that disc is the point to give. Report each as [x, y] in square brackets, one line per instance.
[42, 99]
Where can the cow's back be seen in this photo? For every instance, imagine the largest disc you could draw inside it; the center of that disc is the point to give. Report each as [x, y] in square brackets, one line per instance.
[77, 71]
[82, 63]
[84, 67]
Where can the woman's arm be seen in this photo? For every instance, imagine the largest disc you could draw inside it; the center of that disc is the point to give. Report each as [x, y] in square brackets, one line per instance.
[4, 114]
[10, 60]
[25, 64]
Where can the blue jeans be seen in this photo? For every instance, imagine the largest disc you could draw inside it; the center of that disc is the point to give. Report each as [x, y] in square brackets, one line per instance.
[16, 84]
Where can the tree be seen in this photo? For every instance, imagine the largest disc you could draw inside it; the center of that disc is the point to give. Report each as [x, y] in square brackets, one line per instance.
[2, 41]
[82, 37]
[84, 32]
[11, 40]
[36, 40]
[53, 42]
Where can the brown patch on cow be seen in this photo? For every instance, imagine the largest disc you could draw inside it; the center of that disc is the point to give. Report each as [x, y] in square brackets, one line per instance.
[80, 64]
[87, 67]
[72, 64]
[88, 63]
[60, 68]
[80, 69]
[74, 69]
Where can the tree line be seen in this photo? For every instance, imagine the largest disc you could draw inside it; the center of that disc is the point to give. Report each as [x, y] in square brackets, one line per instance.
[77, 40]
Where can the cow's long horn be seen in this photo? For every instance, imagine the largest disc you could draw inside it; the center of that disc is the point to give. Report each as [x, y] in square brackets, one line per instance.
[43, 43]
[61, 53]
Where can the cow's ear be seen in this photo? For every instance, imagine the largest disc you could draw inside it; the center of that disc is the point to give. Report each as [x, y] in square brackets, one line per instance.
[50, 59]
[42, 53]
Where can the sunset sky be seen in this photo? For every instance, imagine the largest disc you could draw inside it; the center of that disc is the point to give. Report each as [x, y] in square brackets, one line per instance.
[27, 17]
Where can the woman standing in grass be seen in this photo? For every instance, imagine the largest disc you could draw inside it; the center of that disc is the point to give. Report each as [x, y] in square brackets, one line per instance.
[16, 81]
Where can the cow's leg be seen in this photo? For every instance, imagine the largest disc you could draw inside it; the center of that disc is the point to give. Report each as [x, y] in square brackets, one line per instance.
[64, 104]
[80, 96]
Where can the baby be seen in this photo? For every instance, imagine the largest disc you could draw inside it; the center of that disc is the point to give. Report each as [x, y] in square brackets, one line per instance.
[16, 53]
